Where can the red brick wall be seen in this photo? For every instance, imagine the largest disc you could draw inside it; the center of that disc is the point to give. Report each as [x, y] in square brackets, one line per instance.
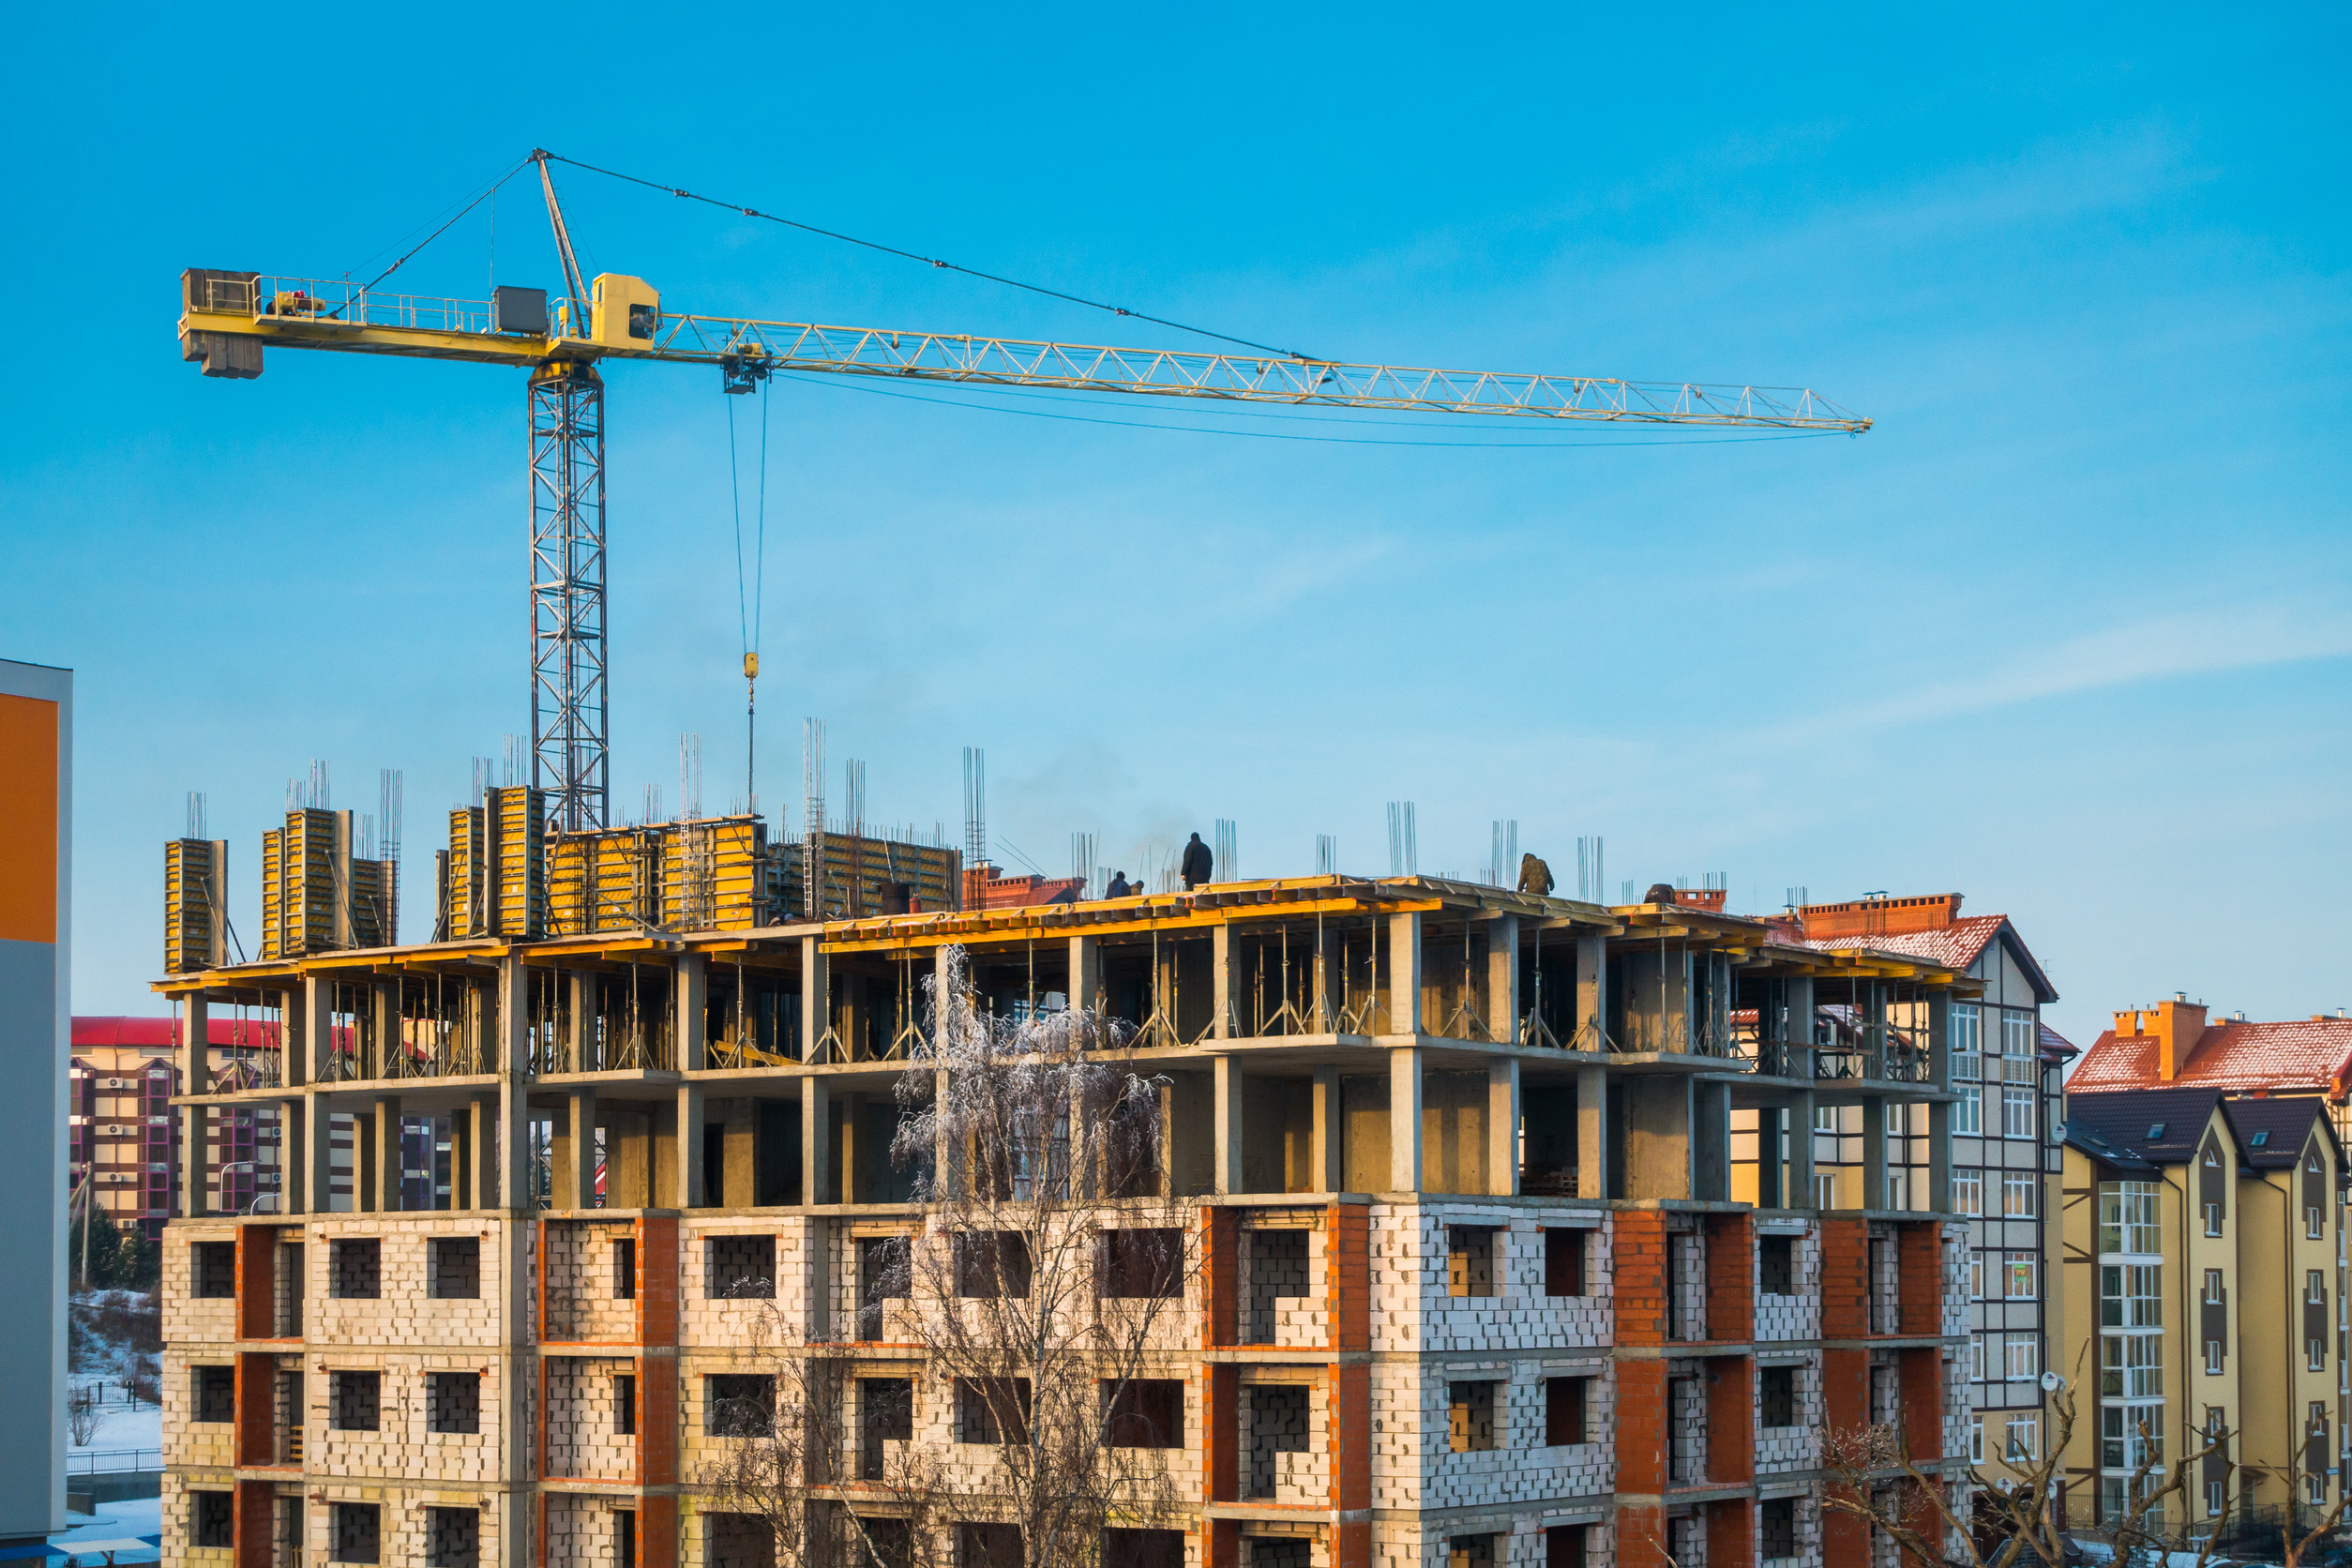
[657, 1532]
[1730, 1424]
[1844, 1538]
[1730, 1282]
[257, 1280]
[1220, 1474]
[1219, 1265]
[1223, 1548]
[1731, 1534]
[253, 1411]
[1348, 1390]
[1844, 1278]
[255, 1528]
[657, 1281]
[1637, 1249]
[1641, 1538]
[1920, 1278]
[657, 1421]
[1921, 1375]
[1641, 1426]
[1348, 1278]
[1846, 1389]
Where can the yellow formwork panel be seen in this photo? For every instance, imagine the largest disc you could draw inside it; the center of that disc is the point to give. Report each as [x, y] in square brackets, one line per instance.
[461, 889]
[604, 880]
[193, 870]
[867, 876]
[713, 873]
[514, 830]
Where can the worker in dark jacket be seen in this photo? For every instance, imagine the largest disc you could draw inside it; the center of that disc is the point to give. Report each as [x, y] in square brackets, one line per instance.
[1534, 876]
[1118, 888]
[1197, 863]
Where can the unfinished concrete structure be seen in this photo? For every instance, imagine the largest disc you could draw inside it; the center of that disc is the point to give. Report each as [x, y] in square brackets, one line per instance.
[1474, 1287]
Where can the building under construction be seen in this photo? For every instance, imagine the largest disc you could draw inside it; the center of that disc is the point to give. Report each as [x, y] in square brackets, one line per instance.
[1459, 1163]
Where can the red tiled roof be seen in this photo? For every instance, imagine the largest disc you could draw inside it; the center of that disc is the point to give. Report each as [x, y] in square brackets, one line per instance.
[104, 1030]
[2298, 1053]
[1955, 946]
[2056, 1045]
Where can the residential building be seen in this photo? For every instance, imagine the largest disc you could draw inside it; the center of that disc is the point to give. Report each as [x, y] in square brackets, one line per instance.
[35, 986]
[2200, 1256]
[1457, 1139]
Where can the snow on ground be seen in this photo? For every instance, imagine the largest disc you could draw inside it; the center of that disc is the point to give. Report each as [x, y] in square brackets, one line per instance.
[120, 1426]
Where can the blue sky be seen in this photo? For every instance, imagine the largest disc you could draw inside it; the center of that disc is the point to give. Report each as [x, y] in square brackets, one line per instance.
[2068, 631]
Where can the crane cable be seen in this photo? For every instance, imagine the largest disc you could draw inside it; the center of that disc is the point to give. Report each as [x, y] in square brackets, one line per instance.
[751, 589]
[928, 261]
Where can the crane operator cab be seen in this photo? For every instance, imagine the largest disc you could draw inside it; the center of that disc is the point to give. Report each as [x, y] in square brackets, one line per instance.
[624, 313]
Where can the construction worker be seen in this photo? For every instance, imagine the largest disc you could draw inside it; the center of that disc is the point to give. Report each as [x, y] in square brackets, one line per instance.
[1197, 863]
[1534, 876]
[1118, 888]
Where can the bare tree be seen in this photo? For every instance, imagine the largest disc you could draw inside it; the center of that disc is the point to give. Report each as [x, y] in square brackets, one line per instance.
[83, 1416]
[1038, 1312]
[1957, 1517]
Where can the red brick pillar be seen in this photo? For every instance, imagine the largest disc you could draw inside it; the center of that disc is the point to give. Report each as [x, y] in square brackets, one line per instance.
[1221, 1545]
[656, 1309]
[1730, 1283]
[1641, 1537]
[1348, 1277]
[1219, 1229]
[1922, 1382]
[256, 1423]
[1845, 1390]
[657, 1421]
[257, 1281]
[1730, 1426]
[1731, 1534]
[254, 1524]
[1221, 1441]
[1642, 1466]
[1844, 1538]
[1844, 1278]
[1920, 1278]
[657, 1532]
[1637, 1248]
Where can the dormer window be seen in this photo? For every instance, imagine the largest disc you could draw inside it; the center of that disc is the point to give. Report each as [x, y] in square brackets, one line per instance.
[2155, 1131]
[2259, 1139]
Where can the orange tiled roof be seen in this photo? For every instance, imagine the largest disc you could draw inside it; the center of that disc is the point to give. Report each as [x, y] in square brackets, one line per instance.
[2300, 1053]
[1955, 946]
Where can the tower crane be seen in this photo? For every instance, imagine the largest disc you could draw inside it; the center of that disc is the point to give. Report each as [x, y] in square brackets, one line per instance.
[228, 318]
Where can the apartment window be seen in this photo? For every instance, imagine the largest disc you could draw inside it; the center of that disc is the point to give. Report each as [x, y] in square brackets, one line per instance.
[2132, 1366]
[625, 1268]
[885, 1271]
[2216, 1498]
[1776, 1395]
[885, 1414]
[2213, 1364]
[738, 1405]
[1824, 1190]
[2315, 1224]
[1967, 1191]
[991, 1409]
[355, 1272]
[2022, 1360]
[2023, 1439]
[212, 1269]
[1567, 1411]
[211, 1519]
[2020, 1194]
[214, 1393]
[2316, 1320]
[1469, 1417]
[1976, 1277]
[453, 1402]
[1564, 1263]
[1976, 1439]
[358, 1532]
[2022, 1276]
[1967, 1034]
[2128, 1217]
[2131, 1435]
[456, 1268]
[1776, 1265]
[353, 1400]
[2212, 1219]
[1144, 1412]
[1976, 1358]
[1472, 1265]
[1142, 1264]
[739, 1267]
[2017, 1102]
[992, 1265]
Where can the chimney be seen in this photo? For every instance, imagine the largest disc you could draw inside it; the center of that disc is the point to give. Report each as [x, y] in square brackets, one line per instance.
[2179, 1024]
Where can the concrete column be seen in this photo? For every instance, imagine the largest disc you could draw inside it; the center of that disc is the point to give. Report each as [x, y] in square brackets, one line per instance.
[384, 1041]
[1404, 992]
[1325, 1146]
[318, 1159]
[1939, 1194]
[1086, 980]
[1503, 979]
[815, 1142]
[689, 1161]
[1938, 1008]
[383, 1145]
[942, 998]
[1593, 1131]
[1225, 988]
[1592, 969]
[1798, 1026]
[853, 1120]
[294, 1150]
[316, 1063]
[1503, 1127]
[576, 1159]
[1800, 1150]
[1874, 1121]
[944, 1154]
[1770, 1151]
[462, 1160]
[1324, 1003]
[579, 987]
[514, 1096]
[1228, 1118]
[693, 994]
[1404, 1108]
[481, 1121]
[1710, 1141]
[816, 998]
[196, 1155]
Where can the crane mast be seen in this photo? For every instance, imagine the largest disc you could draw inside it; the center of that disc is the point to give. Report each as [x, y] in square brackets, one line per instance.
[228, 317]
